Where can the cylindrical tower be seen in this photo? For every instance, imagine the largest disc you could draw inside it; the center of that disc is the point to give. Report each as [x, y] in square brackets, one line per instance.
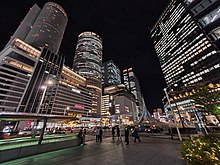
[49, 28]
[87, 63]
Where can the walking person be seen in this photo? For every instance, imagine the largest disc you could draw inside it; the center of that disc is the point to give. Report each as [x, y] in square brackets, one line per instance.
[113, 133]
[118, 132]
[81, 137]
[126, 135]
[97, 133]
[136, 136]
[100, 134]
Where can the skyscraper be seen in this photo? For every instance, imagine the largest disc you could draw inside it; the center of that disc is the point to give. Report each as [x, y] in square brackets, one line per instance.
[48, 29]
[26, 25]
[87, 63]
[186, 40]
[111, 74]
[133, 85]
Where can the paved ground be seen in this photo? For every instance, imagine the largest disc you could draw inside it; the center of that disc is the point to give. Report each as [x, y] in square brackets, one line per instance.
[151, 151]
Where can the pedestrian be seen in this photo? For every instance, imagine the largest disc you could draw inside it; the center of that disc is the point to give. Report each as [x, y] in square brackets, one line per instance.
[136, 136]
[80, 135]
[113, 133]
[118, 133]
[126, 135]
[97, 133]
[100, 134]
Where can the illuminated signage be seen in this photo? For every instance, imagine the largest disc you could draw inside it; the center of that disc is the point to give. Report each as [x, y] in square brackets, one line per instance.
[79, 106]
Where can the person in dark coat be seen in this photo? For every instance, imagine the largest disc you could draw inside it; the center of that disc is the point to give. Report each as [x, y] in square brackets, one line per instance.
[136, 136]
[126, 135]
[100, 134]
[118, 133]
[113, 133]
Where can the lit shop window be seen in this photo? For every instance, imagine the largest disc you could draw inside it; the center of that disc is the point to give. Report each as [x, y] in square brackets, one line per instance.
[216, 33]
[211, 17]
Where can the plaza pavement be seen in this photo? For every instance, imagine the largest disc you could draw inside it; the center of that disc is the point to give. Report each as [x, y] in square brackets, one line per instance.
[150, 151]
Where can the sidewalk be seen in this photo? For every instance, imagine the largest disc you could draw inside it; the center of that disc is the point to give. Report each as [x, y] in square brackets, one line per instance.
[150, 151]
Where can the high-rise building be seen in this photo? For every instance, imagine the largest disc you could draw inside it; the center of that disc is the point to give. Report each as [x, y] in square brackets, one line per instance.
[26, 25]
[186, 38]
[34, 80]
[133, 85]
[87, 63]
[111, 74]
[48, 29]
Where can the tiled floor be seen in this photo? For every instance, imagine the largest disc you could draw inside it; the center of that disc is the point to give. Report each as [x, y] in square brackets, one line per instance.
[150, 151]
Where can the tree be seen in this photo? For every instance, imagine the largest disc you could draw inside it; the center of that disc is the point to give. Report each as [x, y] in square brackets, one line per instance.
[207, 97]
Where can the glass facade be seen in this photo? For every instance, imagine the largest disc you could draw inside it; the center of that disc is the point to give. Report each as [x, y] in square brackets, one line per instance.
[87, 63]
[49, 27]
[186, 41]
[132, 84]
[111, 74]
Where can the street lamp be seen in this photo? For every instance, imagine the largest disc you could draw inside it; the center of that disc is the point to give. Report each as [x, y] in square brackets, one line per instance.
[44, 87]
[67, 108]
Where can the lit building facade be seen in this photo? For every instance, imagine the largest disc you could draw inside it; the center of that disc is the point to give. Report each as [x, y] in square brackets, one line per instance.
[35, 80]
[48, 29]
[132, 84]
[111, 74]
[120, 101]
[87, 63]
[186, 40]
[72, 95]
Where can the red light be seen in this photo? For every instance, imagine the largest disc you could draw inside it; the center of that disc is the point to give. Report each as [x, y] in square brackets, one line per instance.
[37, 35]
[28, 123]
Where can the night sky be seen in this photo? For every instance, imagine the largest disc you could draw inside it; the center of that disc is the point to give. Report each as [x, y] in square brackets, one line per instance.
[124, 26]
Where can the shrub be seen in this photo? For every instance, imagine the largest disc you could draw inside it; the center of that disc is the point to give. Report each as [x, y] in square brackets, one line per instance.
[202, 150]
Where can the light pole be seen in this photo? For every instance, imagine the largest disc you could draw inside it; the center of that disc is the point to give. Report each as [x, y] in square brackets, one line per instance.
[168, 99]
[44, 87]
[67, 108]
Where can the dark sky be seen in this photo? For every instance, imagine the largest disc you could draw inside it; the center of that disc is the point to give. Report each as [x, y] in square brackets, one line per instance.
[122, 24]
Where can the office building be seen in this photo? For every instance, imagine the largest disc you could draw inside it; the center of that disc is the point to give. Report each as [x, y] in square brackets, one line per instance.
[120, 101]
[87, 63]
[48, 29]
[26, 25]
[111, 74]
[133, 85]
[186, 40]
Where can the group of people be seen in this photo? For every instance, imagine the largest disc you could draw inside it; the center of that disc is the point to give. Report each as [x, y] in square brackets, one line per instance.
[99, 133]
[134, 134]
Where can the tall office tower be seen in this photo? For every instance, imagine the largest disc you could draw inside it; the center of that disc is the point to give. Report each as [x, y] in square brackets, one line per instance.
[186, 40]
[48, 29]
[132, 83]
[26, 25]
[87, 63]
[111, 74]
